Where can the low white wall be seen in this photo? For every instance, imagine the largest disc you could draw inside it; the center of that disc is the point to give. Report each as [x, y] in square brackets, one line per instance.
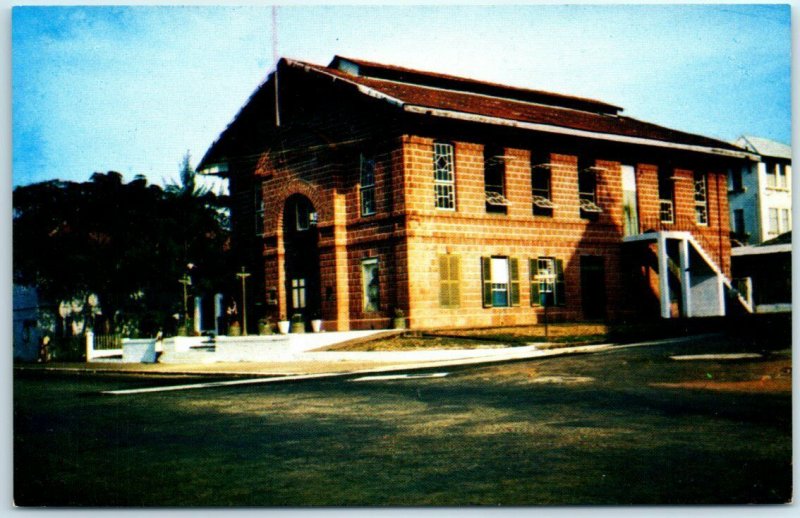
[139, 350]
[253, 348]
[181, 344]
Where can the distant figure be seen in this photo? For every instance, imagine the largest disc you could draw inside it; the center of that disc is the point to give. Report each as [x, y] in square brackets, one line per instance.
[232, 312]
[44, 353]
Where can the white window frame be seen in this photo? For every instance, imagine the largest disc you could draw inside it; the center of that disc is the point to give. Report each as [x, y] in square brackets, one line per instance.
[785, 220]
[701, 199]
[444, 178]
[773, 221]
[299, 293]
[501, 270]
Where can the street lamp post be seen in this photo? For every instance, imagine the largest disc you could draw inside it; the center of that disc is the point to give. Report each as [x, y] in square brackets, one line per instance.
[186, 281]
[243, 276]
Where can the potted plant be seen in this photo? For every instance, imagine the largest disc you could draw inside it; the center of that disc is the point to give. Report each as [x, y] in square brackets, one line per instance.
[399, 320]
[283, 325]
[264, 326]
[316, 322]
[298, 325]
[235, 329]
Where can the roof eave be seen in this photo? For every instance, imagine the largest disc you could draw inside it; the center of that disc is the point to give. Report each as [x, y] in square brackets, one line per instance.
[547, 128]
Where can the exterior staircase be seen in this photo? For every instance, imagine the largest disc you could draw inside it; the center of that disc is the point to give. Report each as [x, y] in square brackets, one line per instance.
[704, 288]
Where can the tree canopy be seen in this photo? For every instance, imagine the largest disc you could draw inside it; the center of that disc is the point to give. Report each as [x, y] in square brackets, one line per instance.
[129, 243]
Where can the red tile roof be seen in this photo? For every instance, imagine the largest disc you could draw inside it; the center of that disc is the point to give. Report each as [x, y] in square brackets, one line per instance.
[551, 109]
[420, 92]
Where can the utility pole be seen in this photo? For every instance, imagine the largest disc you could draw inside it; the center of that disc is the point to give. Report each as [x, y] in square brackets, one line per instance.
[186, 281]
[243, 276]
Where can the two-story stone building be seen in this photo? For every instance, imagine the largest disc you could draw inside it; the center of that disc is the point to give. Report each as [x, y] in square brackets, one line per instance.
[361, 188]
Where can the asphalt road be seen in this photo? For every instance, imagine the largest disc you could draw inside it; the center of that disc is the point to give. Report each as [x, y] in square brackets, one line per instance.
[630, 426]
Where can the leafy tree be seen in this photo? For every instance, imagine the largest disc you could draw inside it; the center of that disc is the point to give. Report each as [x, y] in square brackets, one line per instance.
[129, 243]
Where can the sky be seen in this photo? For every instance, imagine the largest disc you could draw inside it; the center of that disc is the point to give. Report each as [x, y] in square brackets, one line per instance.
[132, 89]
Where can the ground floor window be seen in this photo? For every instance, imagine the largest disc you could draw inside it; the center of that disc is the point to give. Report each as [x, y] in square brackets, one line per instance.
[370, 285]
[500, 281]
[547, 282]
[449, 281]
[298, 293]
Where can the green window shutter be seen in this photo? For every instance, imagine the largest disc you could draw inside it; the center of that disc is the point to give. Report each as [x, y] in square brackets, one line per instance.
[534, 263]
[444, 281]
[513, 265]
[561, 297]
[449, 281]
[486, 274]
[455, 281]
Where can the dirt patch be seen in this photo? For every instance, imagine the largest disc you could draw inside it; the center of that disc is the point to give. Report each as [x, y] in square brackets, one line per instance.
[413, 341]
[770, 376]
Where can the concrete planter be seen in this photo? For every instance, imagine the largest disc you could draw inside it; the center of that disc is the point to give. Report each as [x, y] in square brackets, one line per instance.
[283, 327]
[399, 322]
[264, 329]
[298, 327]
[316, 325]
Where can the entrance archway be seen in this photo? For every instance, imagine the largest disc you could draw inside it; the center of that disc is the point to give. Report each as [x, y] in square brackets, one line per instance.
[301, 261]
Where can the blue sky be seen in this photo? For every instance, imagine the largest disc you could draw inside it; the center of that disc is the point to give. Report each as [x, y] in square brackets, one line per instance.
[133, 88]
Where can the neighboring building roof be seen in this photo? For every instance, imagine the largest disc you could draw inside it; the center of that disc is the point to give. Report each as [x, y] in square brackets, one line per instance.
[765, 147]
[440, 95]
[777, 245]
[782, 239]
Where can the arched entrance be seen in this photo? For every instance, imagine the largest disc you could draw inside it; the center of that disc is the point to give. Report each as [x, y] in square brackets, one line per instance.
[301, 261]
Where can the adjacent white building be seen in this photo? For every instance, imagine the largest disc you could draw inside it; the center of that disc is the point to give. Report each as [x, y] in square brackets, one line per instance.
[760, 194]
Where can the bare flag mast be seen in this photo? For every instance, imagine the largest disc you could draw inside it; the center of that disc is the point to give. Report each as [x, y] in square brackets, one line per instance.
[275, 61]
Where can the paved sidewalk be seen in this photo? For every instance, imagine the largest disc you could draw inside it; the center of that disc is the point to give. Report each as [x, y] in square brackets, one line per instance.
[331, 364]
[327, 362]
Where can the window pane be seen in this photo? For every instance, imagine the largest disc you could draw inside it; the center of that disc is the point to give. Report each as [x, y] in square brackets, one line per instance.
[499, 270]
[371, 285]
[443, 176]
[700, 199]
[785, 220]
[773, 221]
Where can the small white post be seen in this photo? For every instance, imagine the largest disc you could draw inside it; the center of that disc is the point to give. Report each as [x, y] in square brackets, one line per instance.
[686, 287]
[89, 346]
[198, 324]
[663, 275]
[217, 312]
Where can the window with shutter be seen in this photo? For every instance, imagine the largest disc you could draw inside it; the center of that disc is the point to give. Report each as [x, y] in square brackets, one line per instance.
[561, 292]
[486, 276]
[449, 281]
[513, 265]
[547, 282]
[500, 281]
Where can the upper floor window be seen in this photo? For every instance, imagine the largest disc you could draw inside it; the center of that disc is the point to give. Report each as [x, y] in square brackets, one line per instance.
[700, 198]
[776, 176]
[494, 172]
[444, 176]
[666, 195]
[367, 186]
[735, 184]
[738, 223]
[260, 209]
[541, 180]
[587, 188]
